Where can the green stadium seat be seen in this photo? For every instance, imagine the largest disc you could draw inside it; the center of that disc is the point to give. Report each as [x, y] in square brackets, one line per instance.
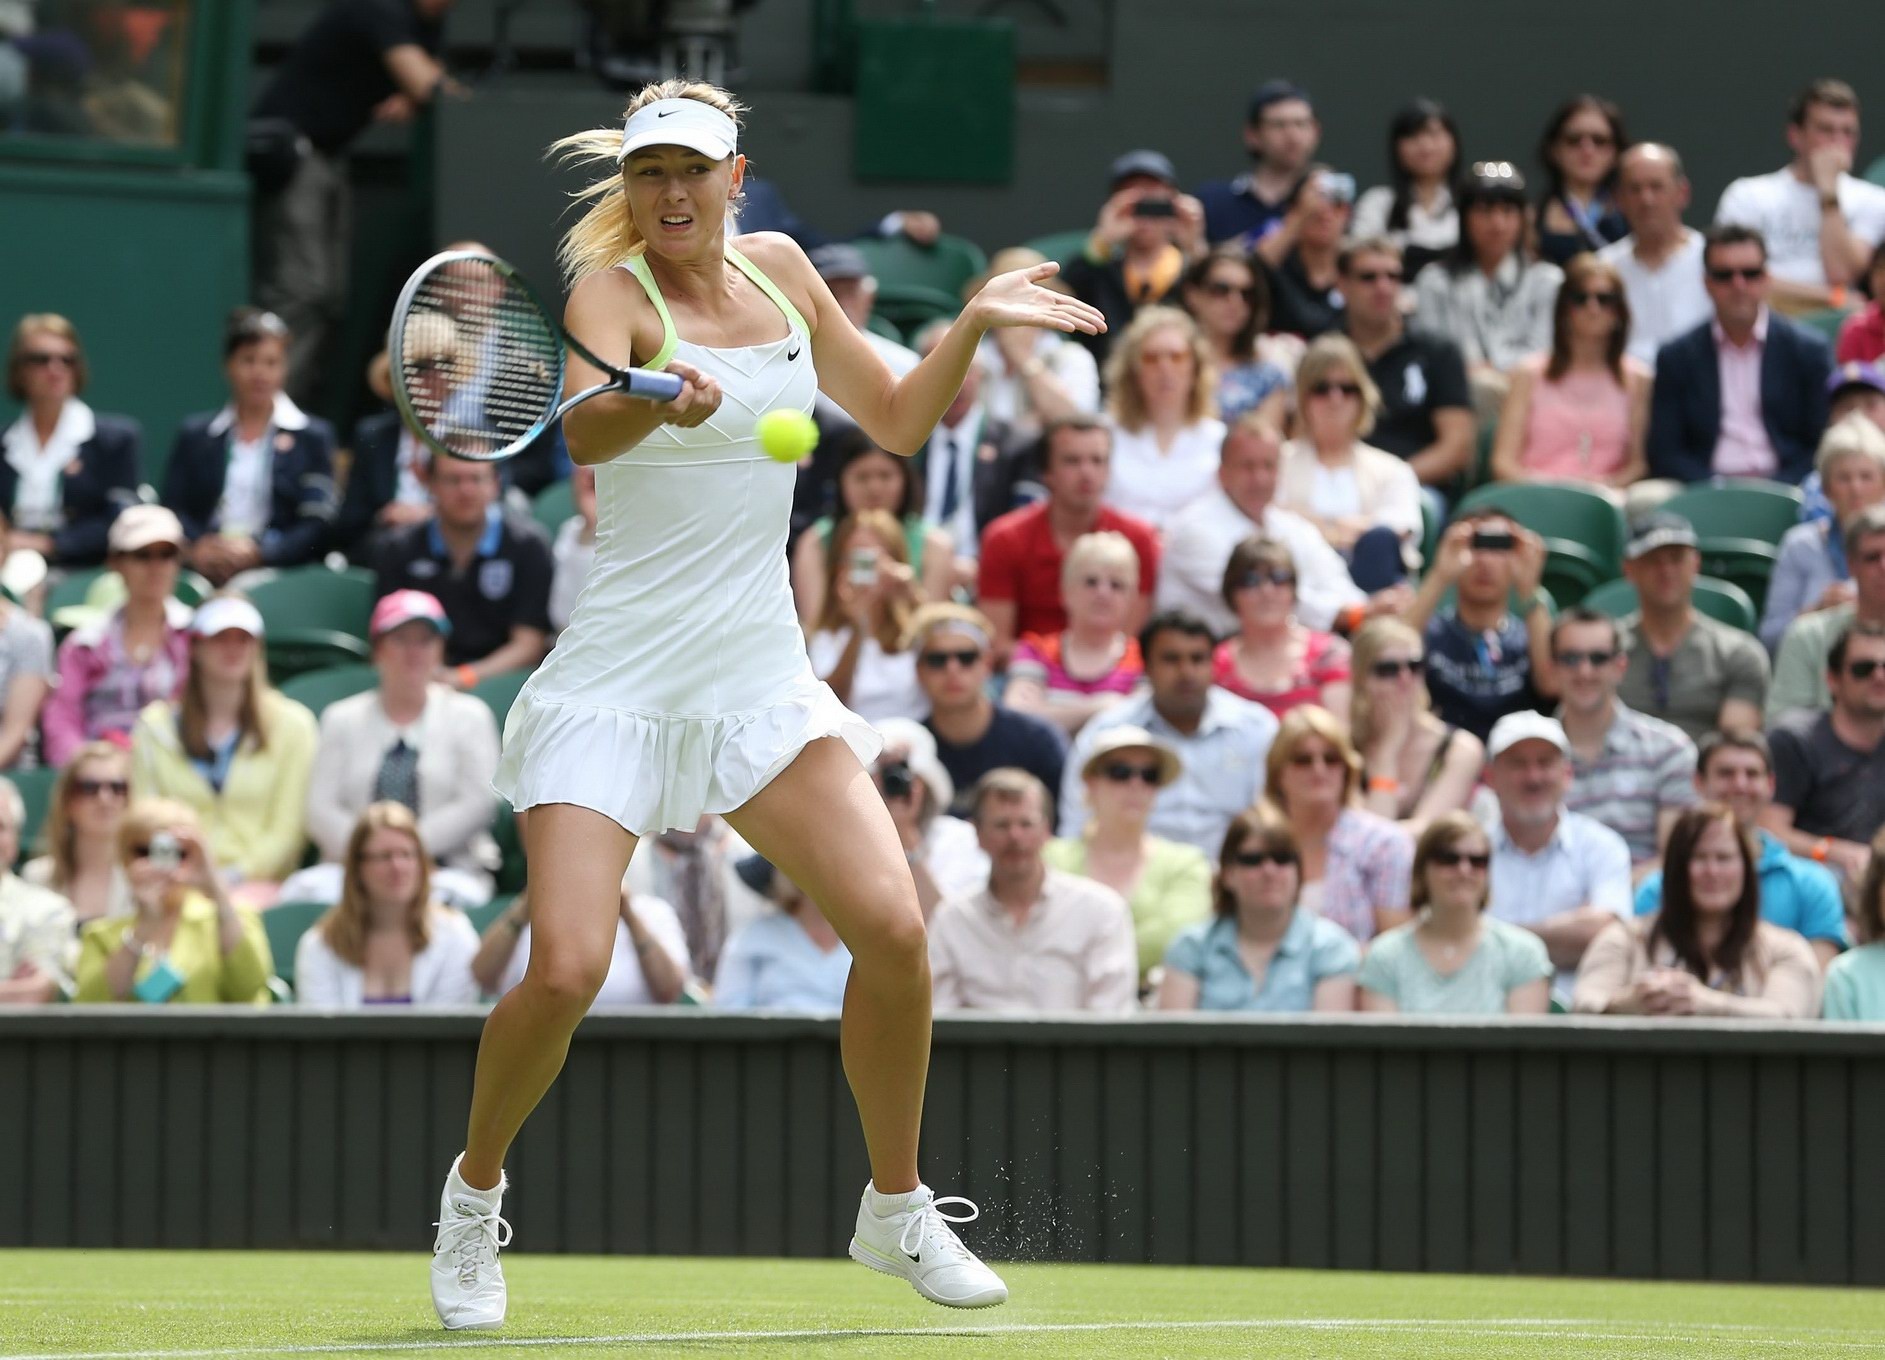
[316, 598]
[1825, 321]
[1061, 246]
[1723, 601]
[910, 307]
[284, 924]
[499, 692]
[510, 848]
[1742, 508]
[554, 504]
[35, 788]
[298, 651]
[483, 917]
[1875, 172]
[884, 326]
[1583, 531]
[81, 596]
[317, 689]
[898, 262]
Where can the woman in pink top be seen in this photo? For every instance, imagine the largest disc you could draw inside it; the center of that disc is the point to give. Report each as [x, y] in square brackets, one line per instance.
[1273, 660]
[1581, 412]
[1070, 676]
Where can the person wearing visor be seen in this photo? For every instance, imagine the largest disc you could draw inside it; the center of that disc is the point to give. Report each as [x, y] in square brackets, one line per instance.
[233, 750]
[681, 685]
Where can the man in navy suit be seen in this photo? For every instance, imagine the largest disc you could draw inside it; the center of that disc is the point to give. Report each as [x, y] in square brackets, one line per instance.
[1744, 394]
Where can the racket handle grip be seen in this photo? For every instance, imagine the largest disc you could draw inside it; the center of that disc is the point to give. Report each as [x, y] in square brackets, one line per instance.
[653, 385]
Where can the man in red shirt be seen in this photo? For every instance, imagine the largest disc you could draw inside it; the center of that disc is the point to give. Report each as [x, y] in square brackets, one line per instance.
[1018, 586]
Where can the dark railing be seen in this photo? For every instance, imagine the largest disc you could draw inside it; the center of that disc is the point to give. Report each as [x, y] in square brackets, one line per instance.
[1693, 1151]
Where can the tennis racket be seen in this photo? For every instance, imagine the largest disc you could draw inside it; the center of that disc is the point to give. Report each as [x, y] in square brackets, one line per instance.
[478, 361]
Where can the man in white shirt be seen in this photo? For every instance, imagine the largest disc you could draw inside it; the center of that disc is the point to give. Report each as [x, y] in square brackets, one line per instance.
[1199, 539]
[1660, 261]
[1821, 223]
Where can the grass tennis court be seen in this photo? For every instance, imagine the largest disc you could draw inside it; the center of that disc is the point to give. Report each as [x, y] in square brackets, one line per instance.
[177, 1304]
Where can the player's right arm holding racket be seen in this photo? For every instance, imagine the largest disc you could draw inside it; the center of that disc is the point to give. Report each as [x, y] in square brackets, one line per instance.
[610, 313]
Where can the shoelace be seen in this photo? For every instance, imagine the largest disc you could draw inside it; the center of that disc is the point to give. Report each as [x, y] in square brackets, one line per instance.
[930, 1224]
[475, 1239]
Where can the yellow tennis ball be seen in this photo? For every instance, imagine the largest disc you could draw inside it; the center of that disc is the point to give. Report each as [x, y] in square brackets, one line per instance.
[787, 436]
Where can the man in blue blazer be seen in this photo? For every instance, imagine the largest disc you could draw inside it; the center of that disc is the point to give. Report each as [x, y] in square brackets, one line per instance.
[1743, 395]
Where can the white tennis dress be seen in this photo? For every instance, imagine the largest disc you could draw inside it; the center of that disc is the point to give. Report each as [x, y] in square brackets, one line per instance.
[681, 685]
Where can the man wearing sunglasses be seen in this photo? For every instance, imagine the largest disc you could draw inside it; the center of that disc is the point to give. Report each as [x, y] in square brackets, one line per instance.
[1735, 768]
[1632, 772]
[1683, 666]
[1743, 395]
[1820, 220]
[1426, 414]
[1802, 665]
[1829, 768]
[38, 934]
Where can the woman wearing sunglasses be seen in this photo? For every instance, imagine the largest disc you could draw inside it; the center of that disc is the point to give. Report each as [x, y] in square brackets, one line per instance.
[1365, 502]
[1264, 950]
[1579, 412]
[1452, 958]
[1229, 298]
[1355, 865]
[65, 470]
[81, 833]
[1415, 766]
[1167, 885]
[185, 941]
[1274, 660]
[1579, 153]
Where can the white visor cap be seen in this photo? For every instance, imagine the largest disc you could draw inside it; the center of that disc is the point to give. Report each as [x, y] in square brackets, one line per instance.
[680, 122]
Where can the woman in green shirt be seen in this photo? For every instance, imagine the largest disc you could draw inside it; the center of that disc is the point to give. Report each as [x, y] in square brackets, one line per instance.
[1453, 959]
[1855, 981]
[185, 941]
[1167, 885]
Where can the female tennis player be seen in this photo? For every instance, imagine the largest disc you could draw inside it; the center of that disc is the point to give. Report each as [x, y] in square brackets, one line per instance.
[681, 685]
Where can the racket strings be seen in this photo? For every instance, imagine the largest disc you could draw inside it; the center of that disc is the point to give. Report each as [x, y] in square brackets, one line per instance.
[480, 365]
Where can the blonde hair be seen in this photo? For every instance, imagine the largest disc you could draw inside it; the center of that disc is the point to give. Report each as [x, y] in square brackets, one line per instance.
[193, 713]
[605, 235]
[1374, 638]
[882, 525]
[146, 817]
[43, 323]
[1299, 725]
[431, 336]
[59, 837]
[344, 926]
[1104, 548]
[948, 616]
[1336, 355]
[1126, 403]
[1854, 437]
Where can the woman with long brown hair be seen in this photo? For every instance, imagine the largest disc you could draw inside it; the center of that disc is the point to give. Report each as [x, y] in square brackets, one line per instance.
[1228, 295]
[1581, 411]
[1707, 951]
[81, 833]
[858, 643]
[387, 942]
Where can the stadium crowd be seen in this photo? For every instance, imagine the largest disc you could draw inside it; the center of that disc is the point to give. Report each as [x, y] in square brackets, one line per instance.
[1330, 634]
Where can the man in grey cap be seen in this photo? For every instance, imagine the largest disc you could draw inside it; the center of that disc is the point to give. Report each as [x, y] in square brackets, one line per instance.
[848, 274]
[1136, 254]
[1683, 666]
[1558, 873]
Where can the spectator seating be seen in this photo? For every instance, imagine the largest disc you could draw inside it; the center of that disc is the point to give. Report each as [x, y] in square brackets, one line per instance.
[1875, 172]
[91, 591]
[898, 262]
[1825, 322]
[1723, 601]
[1061, 246]
[317, 689]
[911, 306]
[1583, 531]
[483, 917]
[284, 924]
[554, 504]
[884, 326]
[1740, 523]
[316, 618]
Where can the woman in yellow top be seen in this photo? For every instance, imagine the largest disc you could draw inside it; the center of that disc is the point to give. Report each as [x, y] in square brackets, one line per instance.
[232, 749]
[1167, 884]
[186, 941]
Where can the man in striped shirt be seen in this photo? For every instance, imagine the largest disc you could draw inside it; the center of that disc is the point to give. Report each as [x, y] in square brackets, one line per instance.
[1632, 772]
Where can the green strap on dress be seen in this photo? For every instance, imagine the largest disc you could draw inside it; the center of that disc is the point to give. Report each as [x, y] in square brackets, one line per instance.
[637, 265]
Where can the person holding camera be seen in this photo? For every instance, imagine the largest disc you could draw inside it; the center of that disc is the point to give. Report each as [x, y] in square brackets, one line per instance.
[1135, 256]
[185, 941]
[1483, 659]
[1302, 258]
[858, 646]
[945, 856]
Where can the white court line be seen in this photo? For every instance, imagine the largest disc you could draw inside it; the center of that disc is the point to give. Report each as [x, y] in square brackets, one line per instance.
[1557, 1329]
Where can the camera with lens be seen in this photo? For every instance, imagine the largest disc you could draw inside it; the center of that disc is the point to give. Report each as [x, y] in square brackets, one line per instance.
[897, 778]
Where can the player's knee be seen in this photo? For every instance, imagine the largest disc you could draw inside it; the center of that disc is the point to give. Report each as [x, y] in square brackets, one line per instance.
[567, 982]
[896, 940]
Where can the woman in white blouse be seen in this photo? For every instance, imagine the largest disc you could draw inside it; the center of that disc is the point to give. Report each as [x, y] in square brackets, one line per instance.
[1161, 402]
[387, 942]
[1365, 502]
[858, 644]
[648, 967]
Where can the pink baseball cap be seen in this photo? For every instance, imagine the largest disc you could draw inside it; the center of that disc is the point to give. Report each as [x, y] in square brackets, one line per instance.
[405, 606]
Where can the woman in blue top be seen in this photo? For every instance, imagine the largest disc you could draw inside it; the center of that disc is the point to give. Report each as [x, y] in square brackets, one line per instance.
[1453, 959]
[1855, 981]
[1263, 951]
[788, 960]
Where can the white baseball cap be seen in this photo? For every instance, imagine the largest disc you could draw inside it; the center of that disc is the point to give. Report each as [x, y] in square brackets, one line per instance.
[680, 122]
[223, 613]
[1525, 725]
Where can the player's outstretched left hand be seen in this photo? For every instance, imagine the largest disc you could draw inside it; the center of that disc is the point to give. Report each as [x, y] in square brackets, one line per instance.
[1018, 299]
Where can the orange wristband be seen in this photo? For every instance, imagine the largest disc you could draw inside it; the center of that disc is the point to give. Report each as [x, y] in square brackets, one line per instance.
[1382, 783]
[467, 676]
[1837, 295]
[1821, 848]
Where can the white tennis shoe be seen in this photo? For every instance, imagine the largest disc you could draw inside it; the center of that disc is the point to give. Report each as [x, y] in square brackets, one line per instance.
[917, 1244]
[467, 1281]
